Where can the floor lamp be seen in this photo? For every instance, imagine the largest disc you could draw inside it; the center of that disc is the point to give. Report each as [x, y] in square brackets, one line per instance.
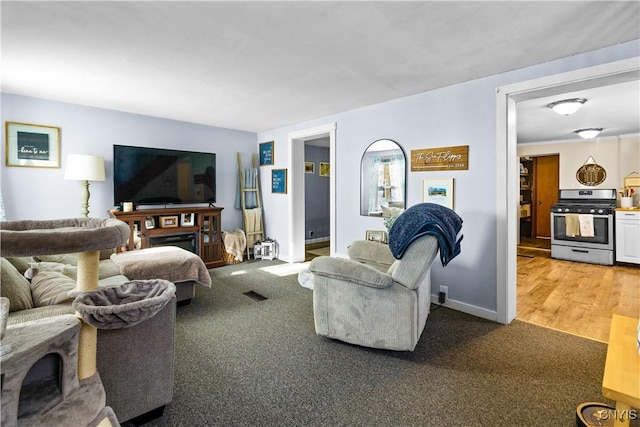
[85, 168]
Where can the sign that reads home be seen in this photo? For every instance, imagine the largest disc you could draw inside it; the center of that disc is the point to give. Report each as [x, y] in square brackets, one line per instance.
[440, 159]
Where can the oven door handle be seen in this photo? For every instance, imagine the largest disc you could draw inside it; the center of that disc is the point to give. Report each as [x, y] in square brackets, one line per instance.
[582, 251]
[594, 215]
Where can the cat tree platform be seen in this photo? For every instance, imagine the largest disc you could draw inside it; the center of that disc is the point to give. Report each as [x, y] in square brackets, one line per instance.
[78, 396]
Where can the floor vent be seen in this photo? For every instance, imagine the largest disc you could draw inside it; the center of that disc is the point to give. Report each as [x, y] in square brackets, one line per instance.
[255, 296]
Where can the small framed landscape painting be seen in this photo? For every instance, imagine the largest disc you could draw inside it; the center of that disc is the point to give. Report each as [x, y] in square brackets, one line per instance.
[438, 191]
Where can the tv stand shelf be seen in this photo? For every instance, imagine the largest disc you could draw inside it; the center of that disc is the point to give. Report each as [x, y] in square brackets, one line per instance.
[203, 222]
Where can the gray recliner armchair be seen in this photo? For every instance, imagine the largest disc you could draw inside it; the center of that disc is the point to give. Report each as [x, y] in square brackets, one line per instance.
[358, 303]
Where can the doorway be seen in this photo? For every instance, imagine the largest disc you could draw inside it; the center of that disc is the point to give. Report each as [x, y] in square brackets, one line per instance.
[297, 188]
[507, 191]
[539, 185]
[316, 185]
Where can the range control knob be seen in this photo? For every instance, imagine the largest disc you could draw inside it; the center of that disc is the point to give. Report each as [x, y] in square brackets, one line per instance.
[566, 209]
[593, 211]
[600, 211]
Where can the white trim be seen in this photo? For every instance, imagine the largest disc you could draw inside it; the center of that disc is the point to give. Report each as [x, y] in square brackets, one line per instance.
[466, 308]
[296, 188]
[506, 160]
[317, 240]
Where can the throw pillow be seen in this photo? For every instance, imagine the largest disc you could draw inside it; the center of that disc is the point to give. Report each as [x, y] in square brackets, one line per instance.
[21, 263]
[15, 287]
[71, 271]
[51, 287]
[71, 259]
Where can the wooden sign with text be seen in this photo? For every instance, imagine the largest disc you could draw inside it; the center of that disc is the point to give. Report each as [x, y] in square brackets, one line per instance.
[440, 159]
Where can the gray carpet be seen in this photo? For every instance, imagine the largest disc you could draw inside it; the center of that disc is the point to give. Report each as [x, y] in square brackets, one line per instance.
[242, 362]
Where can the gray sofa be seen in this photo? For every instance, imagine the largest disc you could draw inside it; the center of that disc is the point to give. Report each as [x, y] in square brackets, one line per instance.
[136, 385]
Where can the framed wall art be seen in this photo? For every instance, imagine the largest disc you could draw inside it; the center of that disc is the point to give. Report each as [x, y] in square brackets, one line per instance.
[379, 236]
[279, 181]
[266, 153]
[309, 167]
[440, 159]
[324, 169]
[32, 146]
[438, 191]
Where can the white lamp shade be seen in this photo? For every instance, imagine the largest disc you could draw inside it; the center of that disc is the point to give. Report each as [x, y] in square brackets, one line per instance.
[83, 167]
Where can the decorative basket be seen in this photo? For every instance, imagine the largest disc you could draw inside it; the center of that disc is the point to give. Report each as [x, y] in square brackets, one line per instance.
[228, 258]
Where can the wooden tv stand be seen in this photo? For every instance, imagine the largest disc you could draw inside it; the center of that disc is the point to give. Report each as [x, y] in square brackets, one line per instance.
[152, 224]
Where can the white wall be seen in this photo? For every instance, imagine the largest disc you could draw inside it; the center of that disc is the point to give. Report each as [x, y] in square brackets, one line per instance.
[36, 193]
[462, 114]
[618, 156]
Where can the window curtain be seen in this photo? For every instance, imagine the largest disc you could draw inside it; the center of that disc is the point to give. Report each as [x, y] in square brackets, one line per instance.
[386, 181]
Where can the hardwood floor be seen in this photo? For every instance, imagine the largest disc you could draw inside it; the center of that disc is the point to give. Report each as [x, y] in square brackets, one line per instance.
[313, 250]
[574, 297]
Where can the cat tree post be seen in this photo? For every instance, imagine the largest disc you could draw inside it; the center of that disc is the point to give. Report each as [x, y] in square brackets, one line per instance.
[82, 402]
[88, 263]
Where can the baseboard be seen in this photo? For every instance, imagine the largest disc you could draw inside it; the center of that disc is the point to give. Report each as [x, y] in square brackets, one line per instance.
[317, 240]
[467, 308]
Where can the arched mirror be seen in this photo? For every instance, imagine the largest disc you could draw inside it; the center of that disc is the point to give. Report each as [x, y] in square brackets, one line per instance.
[382, 178]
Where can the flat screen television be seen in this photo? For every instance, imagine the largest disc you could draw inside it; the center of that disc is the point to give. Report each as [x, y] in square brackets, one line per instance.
[156, 176]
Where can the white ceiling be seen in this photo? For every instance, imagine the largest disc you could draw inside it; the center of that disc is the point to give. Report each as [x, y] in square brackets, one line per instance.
[613, 107]
[256, 66]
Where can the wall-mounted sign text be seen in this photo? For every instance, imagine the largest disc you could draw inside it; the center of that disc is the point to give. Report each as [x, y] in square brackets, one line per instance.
[266, 153]
[440, 159]
[591, 174]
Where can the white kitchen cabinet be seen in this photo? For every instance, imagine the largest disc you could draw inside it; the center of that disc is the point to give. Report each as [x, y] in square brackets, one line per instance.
[628, 236]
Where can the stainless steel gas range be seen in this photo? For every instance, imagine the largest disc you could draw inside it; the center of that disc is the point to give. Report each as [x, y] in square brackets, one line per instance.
[582, 226]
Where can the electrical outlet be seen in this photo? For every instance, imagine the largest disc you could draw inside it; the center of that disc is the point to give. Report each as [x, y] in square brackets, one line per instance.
[444, 290]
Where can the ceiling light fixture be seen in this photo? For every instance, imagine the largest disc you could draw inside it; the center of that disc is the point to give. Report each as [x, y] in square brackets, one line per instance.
[588, 133]
[566, 107]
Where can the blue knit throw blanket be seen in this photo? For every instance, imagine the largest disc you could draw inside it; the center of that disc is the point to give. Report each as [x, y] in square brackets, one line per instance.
[423, 219]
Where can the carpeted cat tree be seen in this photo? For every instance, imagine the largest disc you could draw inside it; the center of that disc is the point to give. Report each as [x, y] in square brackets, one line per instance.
[81, 398]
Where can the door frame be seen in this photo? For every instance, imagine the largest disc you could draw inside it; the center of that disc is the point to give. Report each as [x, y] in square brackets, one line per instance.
[507, 170]
[296, 187]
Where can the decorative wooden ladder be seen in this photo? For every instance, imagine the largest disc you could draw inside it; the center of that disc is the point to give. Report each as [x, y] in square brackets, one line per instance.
[256, 231]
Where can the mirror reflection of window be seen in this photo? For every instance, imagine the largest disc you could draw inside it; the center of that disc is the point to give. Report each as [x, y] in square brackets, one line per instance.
[383, 172]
